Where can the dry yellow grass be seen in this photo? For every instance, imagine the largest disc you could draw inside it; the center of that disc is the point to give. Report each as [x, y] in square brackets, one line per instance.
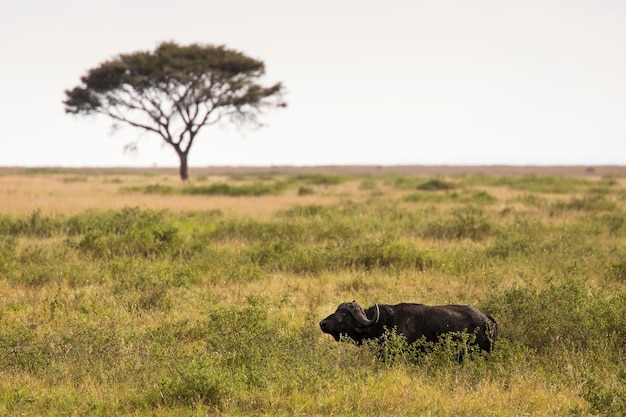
[63, 194]
[75, 190]
[70, 194]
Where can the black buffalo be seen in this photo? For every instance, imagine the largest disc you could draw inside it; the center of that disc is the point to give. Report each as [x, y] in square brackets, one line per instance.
[411, 320]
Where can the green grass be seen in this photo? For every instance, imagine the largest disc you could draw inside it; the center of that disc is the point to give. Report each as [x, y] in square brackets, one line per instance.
[533, 183]
[218, 188]
[152, 313]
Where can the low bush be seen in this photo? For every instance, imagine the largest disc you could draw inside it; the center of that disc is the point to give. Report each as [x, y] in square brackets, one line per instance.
[130, 232]
[533, 183]
[432, 197]
[605, 397]
[197, 382]
[591, 203]
[562, 316]
[451, 349]
[462, 223]
[618, 270]
[254, 190]
[220, 188]
[436, 184]
[34, 225]
[317, 179]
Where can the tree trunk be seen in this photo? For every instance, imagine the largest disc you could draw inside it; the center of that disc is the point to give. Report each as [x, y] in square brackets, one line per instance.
[184, 175]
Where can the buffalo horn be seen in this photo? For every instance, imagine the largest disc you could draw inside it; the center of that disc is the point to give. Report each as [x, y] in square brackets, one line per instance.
[358, 313]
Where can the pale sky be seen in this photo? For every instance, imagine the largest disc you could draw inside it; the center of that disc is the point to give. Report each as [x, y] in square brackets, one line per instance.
[525, 82]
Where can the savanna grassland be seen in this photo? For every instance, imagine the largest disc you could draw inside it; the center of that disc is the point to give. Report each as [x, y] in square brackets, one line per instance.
[131, 293]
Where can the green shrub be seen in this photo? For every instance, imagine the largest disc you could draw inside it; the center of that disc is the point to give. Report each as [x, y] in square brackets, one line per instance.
[436, 184]
[34, 225]
[37, 265]
[591, 203]
[606, 399]
[615, 224]
[280, 255]
[318, 179]
[562, 316]
[451, 349]
[407, 182]
[618, 270]
[22, 349]
[377, 254]
[159, 189]
[257, 189]
[193, 383]
[305, 191]
[432, 197]
[532, 200]
[522, 238]
[481, 197]
[75, 178]
[368, 184]
[463, 223]
[8, 253]
[130, 232]
[311, 211]
[145, 243]
[541, 184]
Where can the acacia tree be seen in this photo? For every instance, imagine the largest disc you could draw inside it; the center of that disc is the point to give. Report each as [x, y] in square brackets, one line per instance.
[175, 91]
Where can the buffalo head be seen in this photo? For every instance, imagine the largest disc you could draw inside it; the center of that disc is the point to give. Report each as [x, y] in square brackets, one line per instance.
[349, 320]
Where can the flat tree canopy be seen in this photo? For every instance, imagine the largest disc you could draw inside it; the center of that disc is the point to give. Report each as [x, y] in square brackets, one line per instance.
[175, 91]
